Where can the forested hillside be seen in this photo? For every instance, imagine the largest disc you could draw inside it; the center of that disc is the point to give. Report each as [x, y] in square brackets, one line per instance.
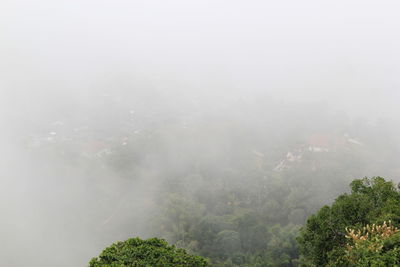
[359, 229]
[234, 188]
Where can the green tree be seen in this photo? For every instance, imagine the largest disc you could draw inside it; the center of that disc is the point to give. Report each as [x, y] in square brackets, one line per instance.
[373, 200]
[373, 245]
[152, 252]
[282, 248]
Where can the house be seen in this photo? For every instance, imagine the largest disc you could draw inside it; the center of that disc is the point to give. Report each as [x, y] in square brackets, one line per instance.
[96, 148]
[320, 143]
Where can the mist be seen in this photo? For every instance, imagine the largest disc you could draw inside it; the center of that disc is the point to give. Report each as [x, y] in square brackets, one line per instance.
[107, 107]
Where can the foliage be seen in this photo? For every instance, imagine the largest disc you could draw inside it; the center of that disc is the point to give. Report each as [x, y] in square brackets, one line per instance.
[375, 245]
[215, 190]
[238, 236]
[323, 238]
[135, 252]
[282, 247]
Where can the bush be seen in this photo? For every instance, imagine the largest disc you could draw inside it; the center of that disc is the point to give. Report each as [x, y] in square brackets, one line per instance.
[152, 252]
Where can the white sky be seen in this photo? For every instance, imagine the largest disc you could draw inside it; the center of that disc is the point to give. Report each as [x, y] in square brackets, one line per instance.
[344, 53]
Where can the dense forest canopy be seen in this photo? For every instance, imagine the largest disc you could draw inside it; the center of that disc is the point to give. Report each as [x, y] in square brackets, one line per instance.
[359, 229]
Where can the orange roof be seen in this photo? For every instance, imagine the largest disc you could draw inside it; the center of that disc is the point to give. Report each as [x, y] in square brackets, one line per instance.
[320, 140]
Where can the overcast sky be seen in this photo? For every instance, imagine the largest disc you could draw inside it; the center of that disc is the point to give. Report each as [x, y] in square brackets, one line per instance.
[344, 53]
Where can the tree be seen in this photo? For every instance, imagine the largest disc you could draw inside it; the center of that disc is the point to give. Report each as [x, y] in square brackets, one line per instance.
[156, 252]
[373, 245]
[323, 238]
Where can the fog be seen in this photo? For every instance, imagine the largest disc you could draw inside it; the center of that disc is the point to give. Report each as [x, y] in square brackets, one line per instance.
[103, 103]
